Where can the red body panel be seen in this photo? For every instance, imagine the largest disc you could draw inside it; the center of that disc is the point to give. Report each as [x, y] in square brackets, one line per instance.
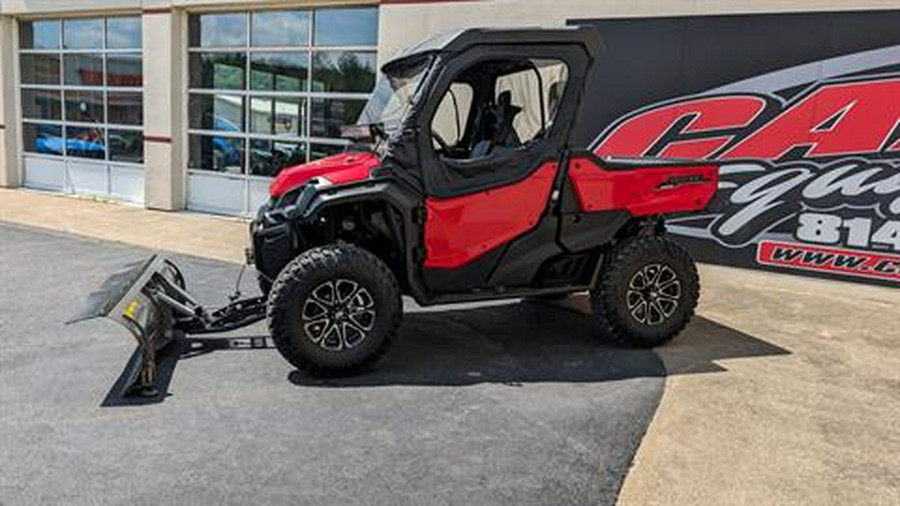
[460, 229]
[643, 191]
[339, 169]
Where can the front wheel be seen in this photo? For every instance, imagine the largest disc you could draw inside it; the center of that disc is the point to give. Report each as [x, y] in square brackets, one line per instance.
[334, 309]
[647, 292]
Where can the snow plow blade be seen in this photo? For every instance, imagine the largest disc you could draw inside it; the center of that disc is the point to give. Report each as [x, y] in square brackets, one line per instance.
[133, 298]
[150, 300]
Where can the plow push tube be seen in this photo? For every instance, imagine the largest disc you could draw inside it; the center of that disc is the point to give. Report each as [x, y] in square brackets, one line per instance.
[150, 300]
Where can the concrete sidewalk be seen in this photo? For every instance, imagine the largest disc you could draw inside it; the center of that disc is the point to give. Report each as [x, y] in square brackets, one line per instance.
[816, 424]
[809, 413]
[201, 235]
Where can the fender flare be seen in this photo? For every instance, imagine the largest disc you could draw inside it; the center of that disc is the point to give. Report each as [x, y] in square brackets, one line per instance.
[316, 200]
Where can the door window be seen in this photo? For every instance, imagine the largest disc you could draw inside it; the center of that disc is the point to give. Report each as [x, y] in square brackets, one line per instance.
[536, 93]
[497, 107]
[452, 116]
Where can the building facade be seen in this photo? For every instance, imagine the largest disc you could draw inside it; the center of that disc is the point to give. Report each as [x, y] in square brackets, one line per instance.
[196, 104]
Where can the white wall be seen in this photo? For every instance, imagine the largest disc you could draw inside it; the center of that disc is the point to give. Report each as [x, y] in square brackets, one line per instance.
[31, 7]
[402, 25]
[9, 167]
[163, 109]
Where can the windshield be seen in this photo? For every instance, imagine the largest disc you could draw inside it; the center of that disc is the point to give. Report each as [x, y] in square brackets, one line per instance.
[393, 95]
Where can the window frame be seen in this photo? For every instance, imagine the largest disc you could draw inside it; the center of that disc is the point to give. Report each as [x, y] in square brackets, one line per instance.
[462, 119]
[447, 178]
[64, 123]
[305, 96]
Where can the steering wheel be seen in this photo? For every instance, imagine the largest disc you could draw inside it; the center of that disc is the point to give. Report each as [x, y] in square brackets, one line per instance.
[440, 140]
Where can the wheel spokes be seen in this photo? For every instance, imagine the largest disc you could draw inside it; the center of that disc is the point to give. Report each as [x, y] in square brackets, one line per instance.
[652, 273]
[655, 314]
[338, 314]
[633, 298]
[640, 312]
[345, 290]
[334, 338]
[324, 293]
[670, 291]
[638, 281]
[316, 329]
[653, 294]
[352, 334]
[667, 305]
[314, 310]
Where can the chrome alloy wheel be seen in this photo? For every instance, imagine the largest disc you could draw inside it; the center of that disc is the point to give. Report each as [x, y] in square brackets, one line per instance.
[653, 294]
[338, 314]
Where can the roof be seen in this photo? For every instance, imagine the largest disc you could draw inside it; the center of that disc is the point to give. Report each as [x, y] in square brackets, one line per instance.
[459, 40]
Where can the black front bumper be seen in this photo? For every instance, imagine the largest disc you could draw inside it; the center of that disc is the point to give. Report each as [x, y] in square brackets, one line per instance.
[273, 244]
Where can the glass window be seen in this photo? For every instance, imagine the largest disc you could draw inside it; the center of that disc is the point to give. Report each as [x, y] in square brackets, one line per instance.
[554, 78]
[216, 112]
[452, 114]
[280, 28]
[223, 71]
[268, 157]
[41, 104]
[126, 146]
[85, 142]
[329, 115]
[39, 34]
[83, 33]
[346, 27]
[39, 68]
[303, 64]
[78, 60]
[317, 151]
[84, 106]
[123, 33]
[344, 71]
[82, 69]
[124, 70]
[220, 154]
[524, 94]
[43, 139]
[124, 108]
[218, 30]
[277, 116]
[536, 93]
[515, 100]
[279, 71]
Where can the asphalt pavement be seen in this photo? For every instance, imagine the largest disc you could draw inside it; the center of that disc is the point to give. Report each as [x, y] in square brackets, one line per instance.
[512, 403]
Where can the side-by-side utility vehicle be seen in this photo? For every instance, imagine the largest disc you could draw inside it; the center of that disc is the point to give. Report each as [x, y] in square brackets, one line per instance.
[470, 179]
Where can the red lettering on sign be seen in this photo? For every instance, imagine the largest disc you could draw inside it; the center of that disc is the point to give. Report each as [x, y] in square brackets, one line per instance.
[837, 119]
[635, 136]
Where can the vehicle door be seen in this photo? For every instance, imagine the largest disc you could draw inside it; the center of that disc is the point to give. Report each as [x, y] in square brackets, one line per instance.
[491, 141]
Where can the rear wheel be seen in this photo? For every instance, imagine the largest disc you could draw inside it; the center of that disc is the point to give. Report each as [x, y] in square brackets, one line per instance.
[647, 292]
[334, 309]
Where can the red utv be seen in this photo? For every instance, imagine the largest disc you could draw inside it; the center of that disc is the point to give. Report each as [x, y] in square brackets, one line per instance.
[467, 184]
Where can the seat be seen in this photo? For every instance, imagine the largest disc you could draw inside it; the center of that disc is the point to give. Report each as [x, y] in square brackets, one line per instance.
[497, 130]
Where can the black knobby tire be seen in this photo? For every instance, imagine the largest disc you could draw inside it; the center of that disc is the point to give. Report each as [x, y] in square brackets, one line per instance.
[617, 298]
[301, 285]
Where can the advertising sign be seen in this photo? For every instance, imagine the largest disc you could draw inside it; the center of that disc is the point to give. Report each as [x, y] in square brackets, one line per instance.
[803, 111]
